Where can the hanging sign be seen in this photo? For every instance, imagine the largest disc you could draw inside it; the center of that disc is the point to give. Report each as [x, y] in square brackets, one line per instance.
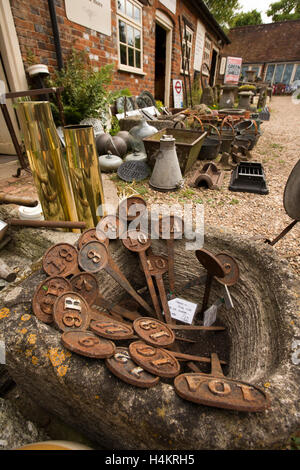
[233, 70]
[178, 93]
[93, 14]
[199, 46]
[170, 4]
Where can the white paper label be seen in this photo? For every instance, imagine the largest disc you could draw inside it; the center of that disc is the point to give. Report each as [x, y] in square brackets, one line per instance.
[2, 352]
[182, 310]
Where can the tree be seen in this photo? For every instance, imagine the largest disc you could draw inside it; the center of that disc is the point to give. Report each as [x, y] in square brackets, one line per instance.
[223, 11]
[284, 10]
[244, 19]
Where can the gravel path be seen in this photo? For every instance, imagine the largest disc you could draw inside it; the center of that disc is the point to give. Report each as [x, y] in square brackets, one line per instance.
[254, 214]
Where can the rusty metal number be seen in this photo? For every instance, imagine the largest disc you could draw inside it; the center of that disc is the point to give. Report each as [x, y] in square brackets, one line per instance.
[45, 296]
[154, 332]
[86, 285]
[60, 260]
[111, 329]
[218, 391]
[111, 226]
[132, 208]
[93, 257]
[92, 235]
[88, 344]
[157, 361]
[71, 311]
[123, 367]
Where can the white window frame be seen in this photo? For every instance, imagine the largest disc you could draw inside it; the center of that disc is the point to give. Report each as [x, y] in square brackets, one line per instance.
[130, 22]
[283, 72]
[208, 52]
[190, 46]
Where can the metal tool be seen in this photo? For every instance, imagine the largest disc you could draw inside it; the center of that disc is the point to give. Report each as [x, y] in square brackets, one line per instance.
[191, 357]
[86, 285]
[88, 344]
[92, 235]
[123, 367]
[157, 266]
[139, 242]
[170, 228]
[71, 312]
[154, 332]
[61, 260]
[19, 200]
[157, 361]
[46, 295]
[94, 256]
[214, 268]
[216, 390]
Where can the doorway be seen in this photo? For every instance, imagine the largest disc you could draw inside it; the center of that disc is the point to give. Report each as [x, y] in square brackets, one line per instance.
[163, 54]
[213, 67]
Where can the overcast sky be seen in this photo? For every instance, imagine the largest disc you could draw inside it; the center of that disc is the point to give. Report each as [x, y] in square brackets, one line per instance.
[259, 5]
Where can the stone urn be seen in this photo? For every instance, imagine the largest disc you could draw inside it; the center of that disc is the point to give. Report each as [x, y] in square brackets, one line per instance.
[244, 99]
[227, 96]
[251, 75]
[260, 345]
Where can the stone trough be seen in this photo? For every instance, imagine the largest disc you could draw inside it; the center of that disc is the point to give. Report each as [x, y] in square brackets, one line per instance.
[257, 344]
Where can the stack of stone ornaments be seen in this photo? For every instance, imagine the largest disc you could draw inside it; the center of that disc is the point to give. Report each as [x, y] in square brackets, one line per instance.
[67, 299]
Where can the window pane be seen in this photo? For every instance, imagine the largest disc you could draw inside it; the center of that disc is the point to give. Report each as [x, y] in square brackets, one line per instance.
[287, 74]
[278, 73]
[122, 32]
[138, 59]
[121, 5]
[130, 35]
[130, 56]
[270, 71]
[137, 38]
[129, 9]
[123, 54]
[137, 14]
[297, 75]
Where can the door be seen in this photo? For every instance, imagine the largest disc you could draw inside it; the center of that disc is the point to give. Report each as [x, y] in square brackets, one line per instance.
[213, 67]
[6, 145]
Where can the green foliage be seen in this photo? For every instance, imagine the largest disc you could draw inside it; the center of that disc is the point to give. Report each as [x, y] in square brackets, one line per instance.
[31, 58]
[86, 92]
[223, 11]
[247, 18]
[284, 10]
[159, 105]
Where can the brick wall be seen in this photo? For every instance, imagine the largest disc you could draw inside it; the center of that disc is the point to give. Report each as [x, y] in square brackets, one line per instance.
[34, 30]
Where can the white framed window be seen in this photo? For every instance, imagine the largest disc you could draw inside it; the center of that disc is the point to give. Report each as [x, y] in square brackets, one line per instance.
[282, 73]
[130, 35]
[206, 55]
[187, 46]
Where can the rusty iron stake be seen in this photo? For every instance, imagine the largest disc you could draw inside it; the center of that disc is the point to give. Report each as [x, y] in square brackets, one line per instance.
[139, 242]
[46, 223]
[197, 327]
[92, 235]
[158, 266]
[282, 234]
[94, 256]
[154, 332]
[190, 357]
[157, 361]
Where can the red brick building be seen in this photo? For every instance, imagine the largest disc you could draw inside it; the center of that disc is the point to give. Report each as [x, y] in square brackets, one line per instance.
[273, 50]
[142, 38]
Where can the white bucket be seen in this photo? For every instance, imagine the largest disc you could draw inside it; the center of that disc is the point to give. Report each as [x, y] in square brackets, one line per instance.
[31, 213]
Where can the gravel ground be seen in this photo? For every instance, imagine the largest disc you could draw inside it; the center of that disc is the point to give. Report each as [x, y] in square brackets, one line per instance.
[246, 213]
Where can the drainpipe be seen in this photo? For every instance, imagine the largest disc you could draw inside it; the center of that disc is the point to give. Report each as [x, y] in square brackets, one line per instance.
[56, 37]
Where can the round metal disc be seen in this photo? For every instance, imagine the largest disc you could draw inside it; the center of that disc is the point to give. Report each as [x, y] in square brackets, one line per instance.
[231, 269]
[111, 226]
[111, 329]
[123, 367]
[131, 208]
[87, 344]
[219, 392]
[291, 196]
[45, 296]
[86, 285]
[92, 235]
[71, 312]
[60, 260]
[154, 360]
[136, 241]
[93, 257]
[154, 332]
[211, 263]
[157, 265]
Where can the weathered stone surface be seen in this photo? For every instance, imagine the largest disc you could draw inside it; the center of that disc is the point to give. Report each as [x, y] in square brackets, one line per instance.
[85, 395]
[15, 431]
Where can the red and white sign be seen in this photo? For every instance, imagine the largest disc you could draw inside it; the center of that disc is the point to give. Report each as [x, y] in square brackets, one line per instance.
[178, 93]
[233, 70]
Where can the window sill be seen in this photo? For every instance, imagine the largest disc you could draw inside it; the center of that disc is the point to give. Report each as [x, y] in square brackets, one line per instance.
[123, 68]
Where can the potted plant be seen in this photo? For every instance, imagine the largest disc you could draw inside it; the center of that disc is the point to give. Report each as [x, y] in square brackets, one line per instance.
[34, 66]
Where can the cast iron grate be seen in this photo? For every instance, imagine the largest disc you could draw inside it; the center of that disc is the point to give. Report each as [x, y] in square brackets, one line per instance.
[249, 177]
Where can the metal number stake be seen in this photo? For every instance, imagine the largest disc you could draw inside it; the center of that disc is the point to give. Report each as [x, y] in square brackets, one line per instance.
[158, 266]
[93, 257]
[139, 242]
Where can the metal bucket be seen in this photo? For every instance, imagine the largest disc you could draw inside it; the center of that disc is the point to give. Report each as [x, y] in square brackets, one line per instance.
[211, 146]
